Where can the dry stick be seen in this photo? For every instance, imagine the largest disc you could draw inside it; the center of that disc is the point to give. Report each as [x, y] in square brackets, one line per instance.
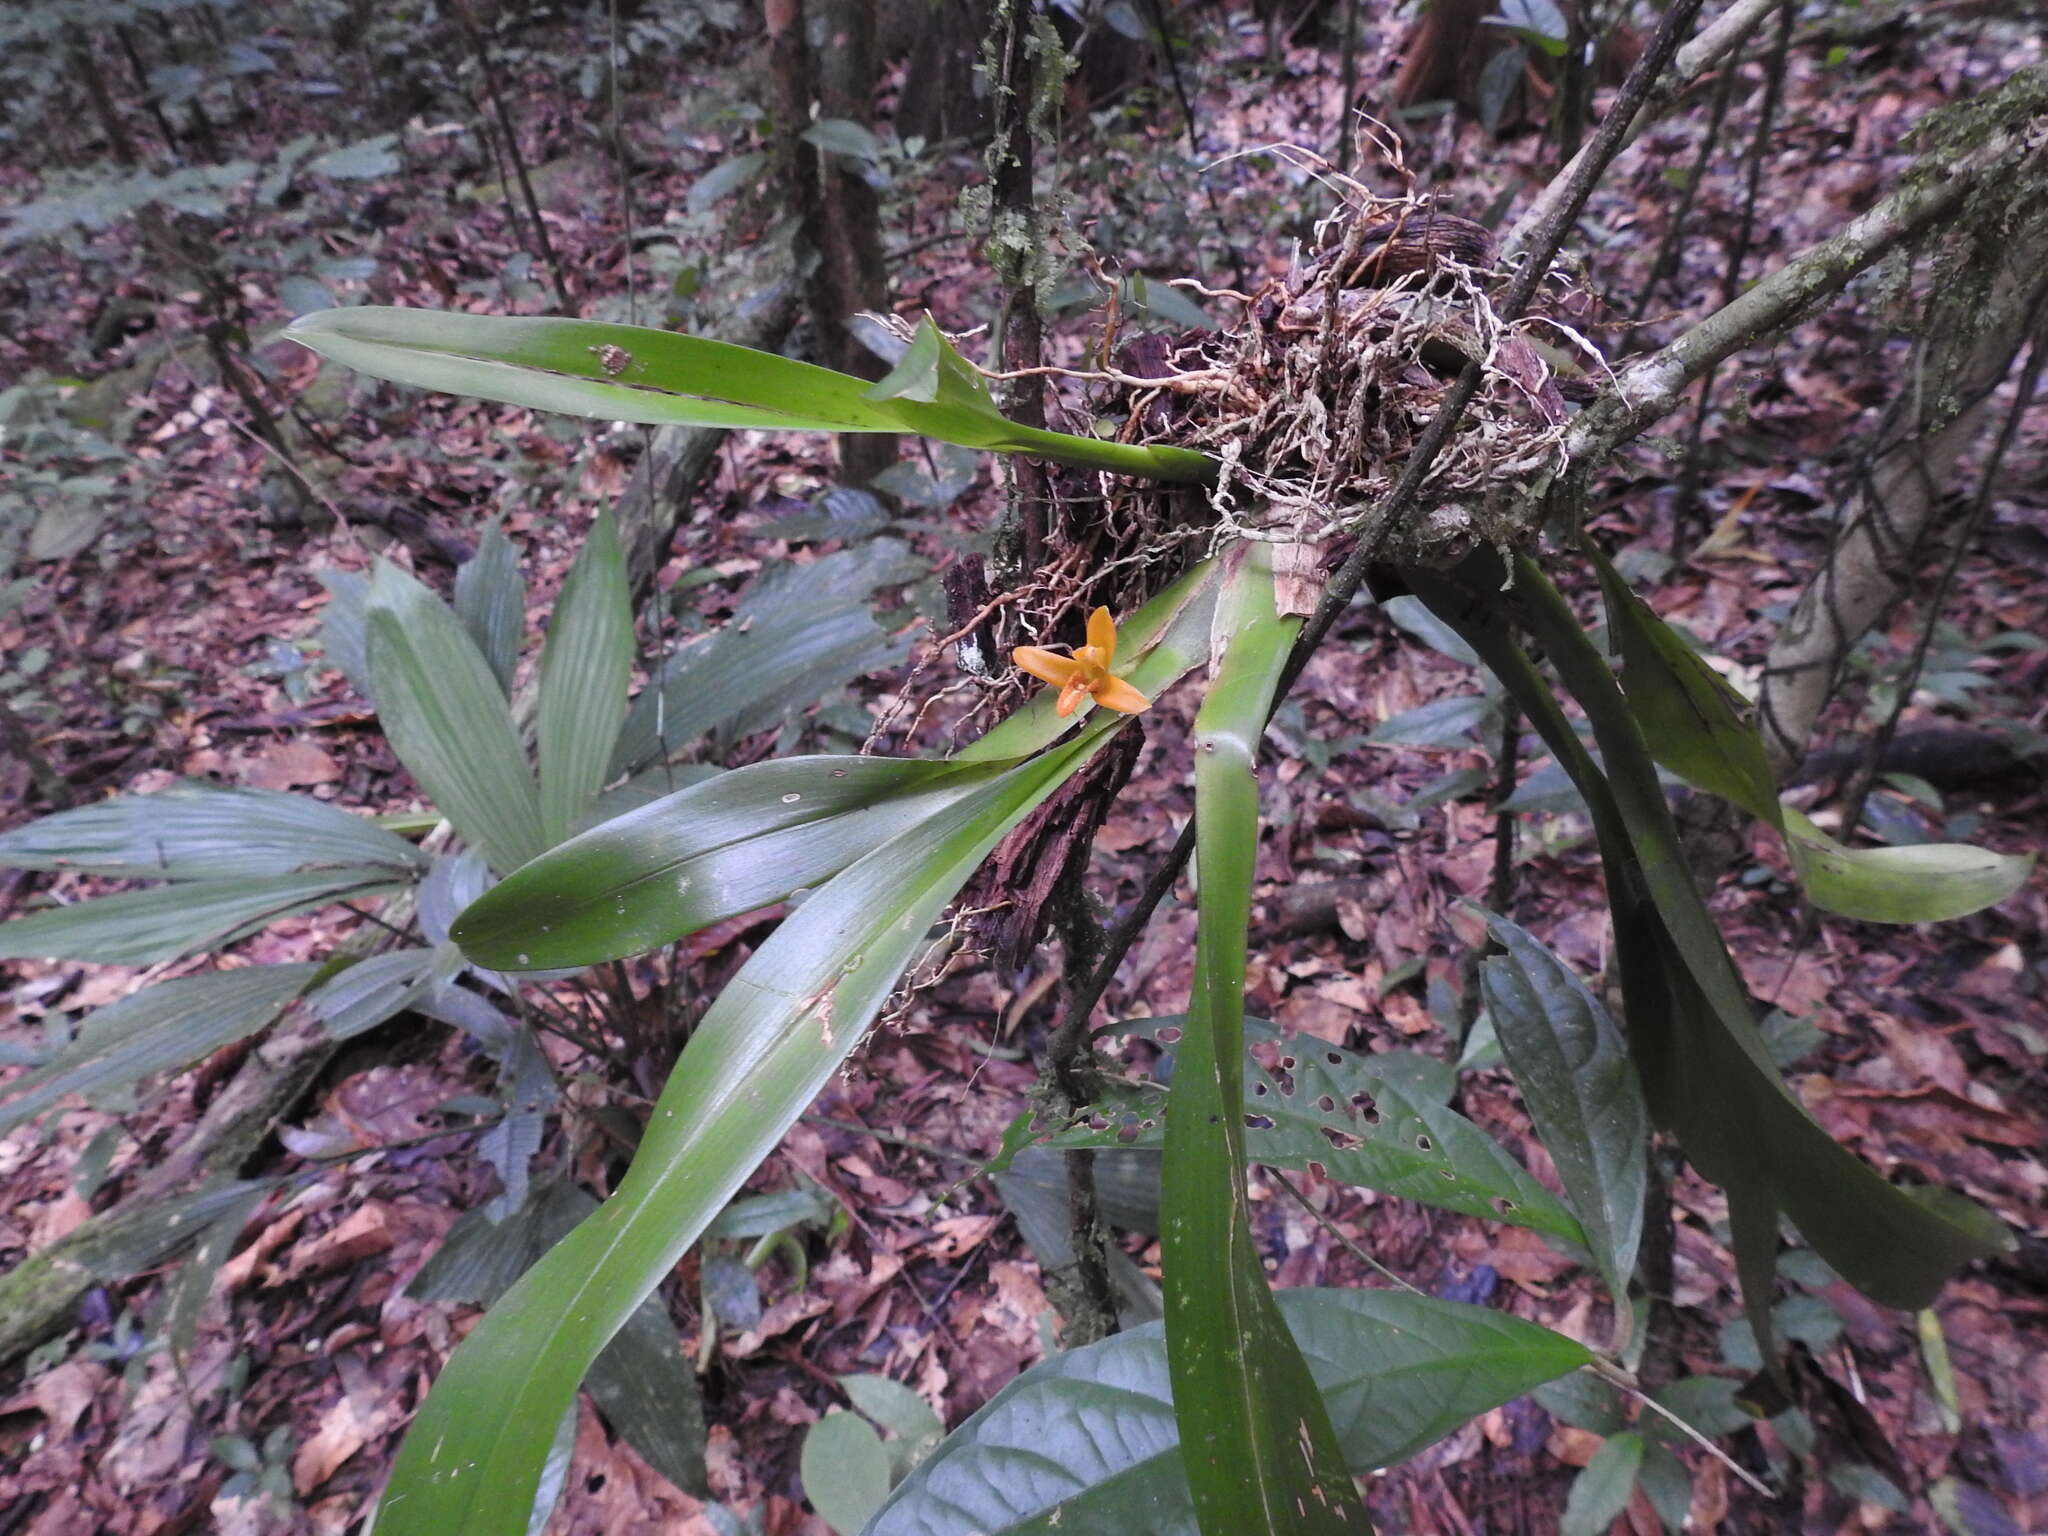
[1665, 263]
[1187, 112]
[1349, 76]
[482, 51]
[1859, 788]
[1022, 349]
[1719, 38]
[1731, 276]
[1650, 389]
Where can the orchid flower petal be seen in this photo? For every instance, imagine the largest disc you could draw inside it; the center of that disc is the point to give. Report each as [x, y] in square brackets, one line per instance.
[1047, 666]
[1115, 693]
[1102, 636]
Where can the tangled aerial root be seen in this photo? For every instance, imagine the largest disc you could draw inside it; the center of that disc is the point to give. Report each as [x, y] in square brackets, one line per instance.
[1314, 399]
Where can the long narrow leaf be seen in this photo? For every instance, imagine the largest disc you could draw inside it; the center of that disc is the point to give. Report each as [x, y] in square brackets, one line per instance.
[440, 704]
[490, 599]
[1692, 723]
[147, 927]
[1256, 1440]
[168, 1025]
[585, 669]
[1705, 1070]
[471, 1463]
[632, 373]
[206, 832]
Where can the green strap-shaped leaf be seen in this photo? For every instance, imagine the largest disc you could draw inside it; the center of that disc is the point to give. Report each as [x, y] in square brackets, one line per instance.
[1255, 1438]
[1571, 1063]
[632, 373]
[585, 668]
[1923, 883]
[440, 704]
[1694, 725]
[1705, 1071]
[1086, 1440]
[784, 1024]
[1691, 719]
[159, 1028]
[732, 844]
[206, 832]
[148, 927]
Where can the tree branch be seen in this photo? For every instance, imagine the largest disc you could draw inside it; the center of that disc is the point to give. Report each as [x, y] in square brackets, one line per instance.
[1650, 389]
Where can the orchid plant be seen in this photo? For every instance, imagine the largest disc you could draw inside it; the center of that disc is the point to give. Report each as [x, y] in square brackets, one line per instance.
[1269, 1439]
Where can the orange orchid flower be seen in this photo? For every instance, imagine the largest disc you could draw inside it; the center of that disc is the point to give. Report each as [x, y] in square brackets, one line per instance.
[1085, 674]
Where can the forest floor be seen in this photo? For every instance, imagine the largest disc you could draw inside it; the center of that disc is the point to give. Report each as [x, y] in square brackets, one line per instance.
[181, 647]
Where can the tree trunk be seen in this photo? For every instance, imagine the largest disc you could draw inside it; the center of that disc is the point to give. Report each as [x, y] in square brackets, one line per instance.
[1968, 347]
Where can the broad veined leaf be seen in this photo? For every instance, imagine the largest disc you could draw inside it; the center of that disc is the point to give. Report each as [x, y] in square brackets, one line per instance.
[1603, 1488]
[440, 704]
[204, 832]
[845, 1470]
[1256, 1441]
[1086, 1441]
[1571, 1063]
[800, 632]
[146, 927]
[633, 373]
[774, 1037]
[1336, 1110]
[490, 599]
[1705, 1070]
[1922, 883]
[159, 1028]
[586, 667]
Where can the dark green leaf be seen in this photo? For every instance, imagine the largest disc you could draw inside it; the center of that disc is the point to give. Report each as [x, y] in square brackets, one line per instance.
[1602, 1490]
[1572, 1066]
[1085, 1441]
